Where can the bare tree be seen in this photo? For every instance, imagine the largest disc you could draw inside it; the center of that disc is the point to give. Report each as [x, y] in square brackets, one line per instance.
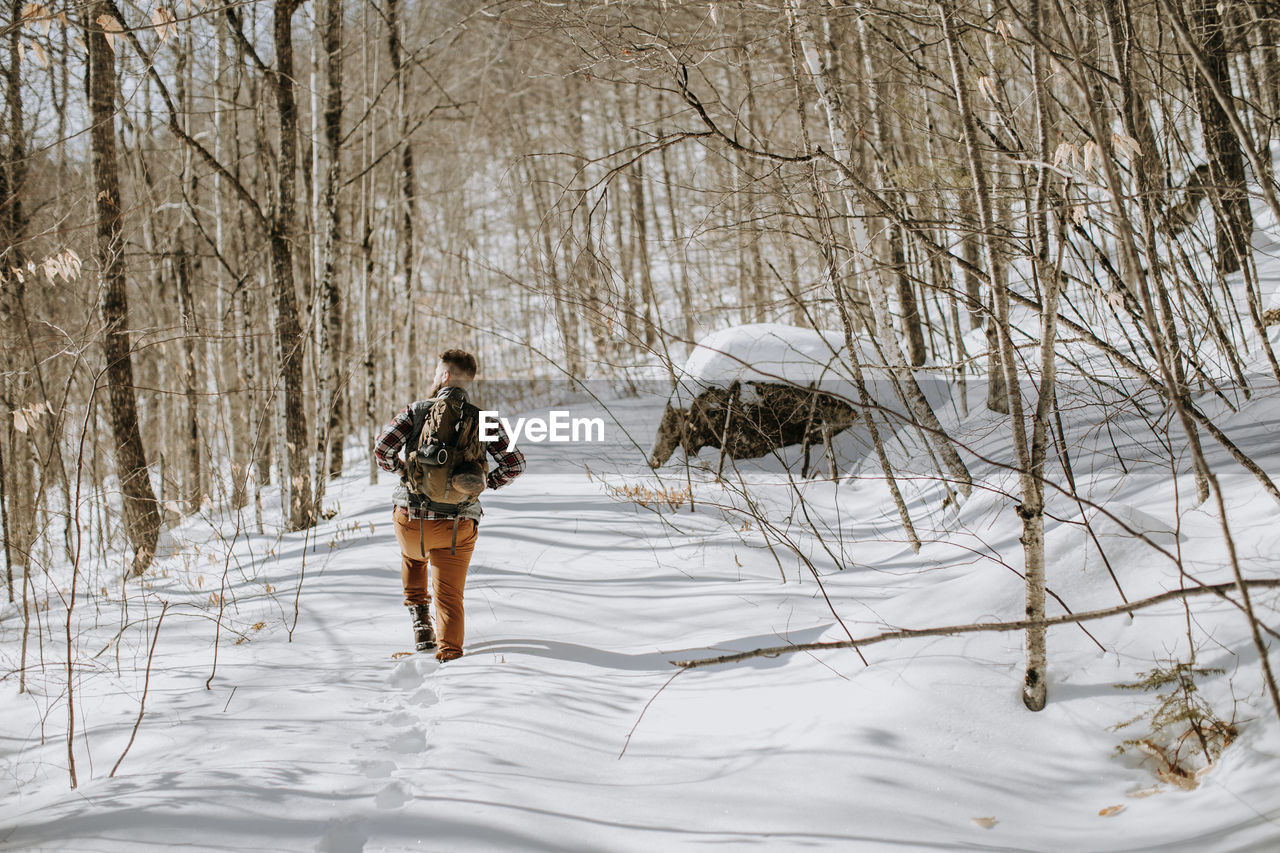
[289, 336]
[141, 511]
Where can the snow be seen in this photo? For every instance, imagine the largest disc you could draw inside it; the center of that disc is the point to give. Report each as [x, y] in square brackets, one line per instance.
[289, 714]
[563, 729]
[767, 352]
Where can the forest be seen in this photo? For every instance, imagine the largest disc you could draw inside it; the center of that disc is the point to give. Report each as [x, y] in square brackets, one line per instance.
[1039, 238]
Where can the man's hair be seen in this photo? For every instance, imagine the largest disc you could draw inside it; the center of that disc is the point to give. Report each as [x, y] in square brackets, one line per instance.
[460, 361]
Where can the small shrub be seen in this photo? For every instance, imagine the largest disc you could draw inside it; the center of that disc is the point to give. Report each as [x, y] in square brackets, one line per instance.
[1186, 734]
[646, 496]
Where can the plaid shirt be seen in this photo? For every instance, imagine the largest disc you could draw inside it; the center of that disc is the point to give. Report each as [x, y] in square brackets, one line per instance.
[387, 452]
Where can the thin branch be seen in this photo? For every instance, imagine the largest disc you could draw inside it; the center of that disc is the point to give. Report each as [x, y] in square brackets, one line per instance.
[146, 685]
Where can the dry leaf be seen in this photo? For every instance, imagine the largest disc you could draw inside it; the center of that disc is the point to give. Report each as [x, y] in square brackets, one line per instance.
[1125, 144]
[398, 655]
[164, 22]
[1145, 792]
[37, 17]
[1090, 153]
[1111, 810]
[110, 27]
[40, 54]
[1065, 153]
[987, 87]
[985, 822]
[1178, 779]
[20, 421]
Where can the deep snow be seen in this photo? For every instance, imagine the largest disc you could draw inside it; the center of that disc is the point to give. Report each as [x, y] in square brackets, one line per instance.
[578, 600]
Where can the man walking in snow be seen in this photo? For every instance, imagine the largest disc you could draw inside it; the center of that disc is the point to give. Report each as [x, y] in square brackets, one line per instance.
[436, 511]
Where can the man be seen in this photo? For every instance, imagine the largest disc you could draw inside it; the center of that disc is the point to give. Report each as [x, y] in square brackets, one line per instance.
[436, 546]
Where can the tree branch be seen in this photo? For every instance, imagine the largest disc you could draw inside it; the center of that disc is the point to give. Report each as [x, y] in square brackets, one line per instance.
[1219, 590]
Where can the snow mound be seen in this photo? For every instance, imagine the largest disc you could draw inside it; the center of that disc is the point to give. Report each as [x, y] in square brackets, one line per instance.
[1122, 516]
[768, 352]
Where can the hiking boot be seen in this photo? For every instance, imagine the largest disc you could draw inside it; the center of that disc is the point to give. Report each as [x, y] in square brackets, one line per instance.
[424, 636]
[444, 656]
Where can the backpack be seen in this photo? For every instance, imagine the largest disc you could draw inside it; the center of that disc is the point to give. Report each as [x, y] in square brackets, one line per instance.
[445, 463]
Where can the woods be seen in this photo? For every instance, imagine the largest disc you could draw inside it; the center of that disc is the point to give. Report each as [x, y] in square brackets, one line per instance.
[235, 236]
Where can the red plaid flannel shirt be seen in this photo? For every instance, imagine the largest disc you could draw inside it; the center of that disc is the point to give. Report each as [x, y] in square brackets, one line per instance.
[510, 463]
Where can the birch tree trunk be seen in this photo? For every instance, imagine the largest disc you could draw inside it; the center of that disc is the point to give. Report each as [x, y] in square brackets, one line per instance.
[1031, 508]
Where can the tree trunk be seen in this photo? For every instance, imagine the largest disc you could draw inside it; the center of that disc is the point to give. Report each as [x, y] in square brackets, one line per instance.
[141, 512]
[640, 226]
[409, 340]
[889, 245]
[1232, 218]
[329, 322]
[18, 388]
[193, 480]
[1031, 507]
[895, 362]
[290, 343]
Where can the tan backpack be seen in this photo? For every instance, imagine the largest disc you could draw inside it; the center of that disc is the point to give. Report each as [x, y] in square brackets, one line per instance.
[445, 464]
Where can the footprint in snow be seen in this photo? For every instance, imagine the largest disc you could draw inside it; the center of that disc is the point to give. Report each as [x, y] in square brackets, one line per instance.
[345, 836]
[400, 718]
[408, 742]
[410, 672]
[391, 797]
[381, 769]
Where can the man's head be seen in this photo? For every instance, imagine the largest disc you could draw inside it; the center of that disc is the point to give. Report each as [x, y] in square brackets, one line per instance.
[457, 368]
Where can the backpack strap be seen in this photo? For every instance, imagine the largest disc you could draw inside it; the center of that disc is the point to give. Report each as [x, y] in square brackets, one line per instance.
[418, 411]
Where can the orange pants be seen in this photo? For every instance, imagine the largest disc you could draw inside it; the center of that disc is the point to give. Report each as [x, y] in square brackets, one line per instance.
[447, 575]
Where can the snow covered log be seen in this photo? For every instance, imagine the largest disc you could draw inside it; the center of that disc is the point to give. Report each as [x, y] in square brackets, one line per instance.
[749, 419]
[755, 388]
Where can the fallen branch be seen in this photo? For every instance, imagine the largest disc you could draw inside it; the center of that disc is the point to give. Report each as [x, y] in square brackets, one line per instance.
[1219, 590]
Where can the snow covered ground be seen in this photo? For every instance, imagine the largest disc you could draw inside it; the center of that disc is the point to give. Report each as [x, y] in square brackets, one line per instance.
[562, 728]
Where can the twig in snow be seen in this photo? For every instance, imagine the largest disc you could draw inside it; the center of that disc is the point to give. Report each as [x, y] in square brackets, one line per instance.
[146, 684]
[645, 709]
